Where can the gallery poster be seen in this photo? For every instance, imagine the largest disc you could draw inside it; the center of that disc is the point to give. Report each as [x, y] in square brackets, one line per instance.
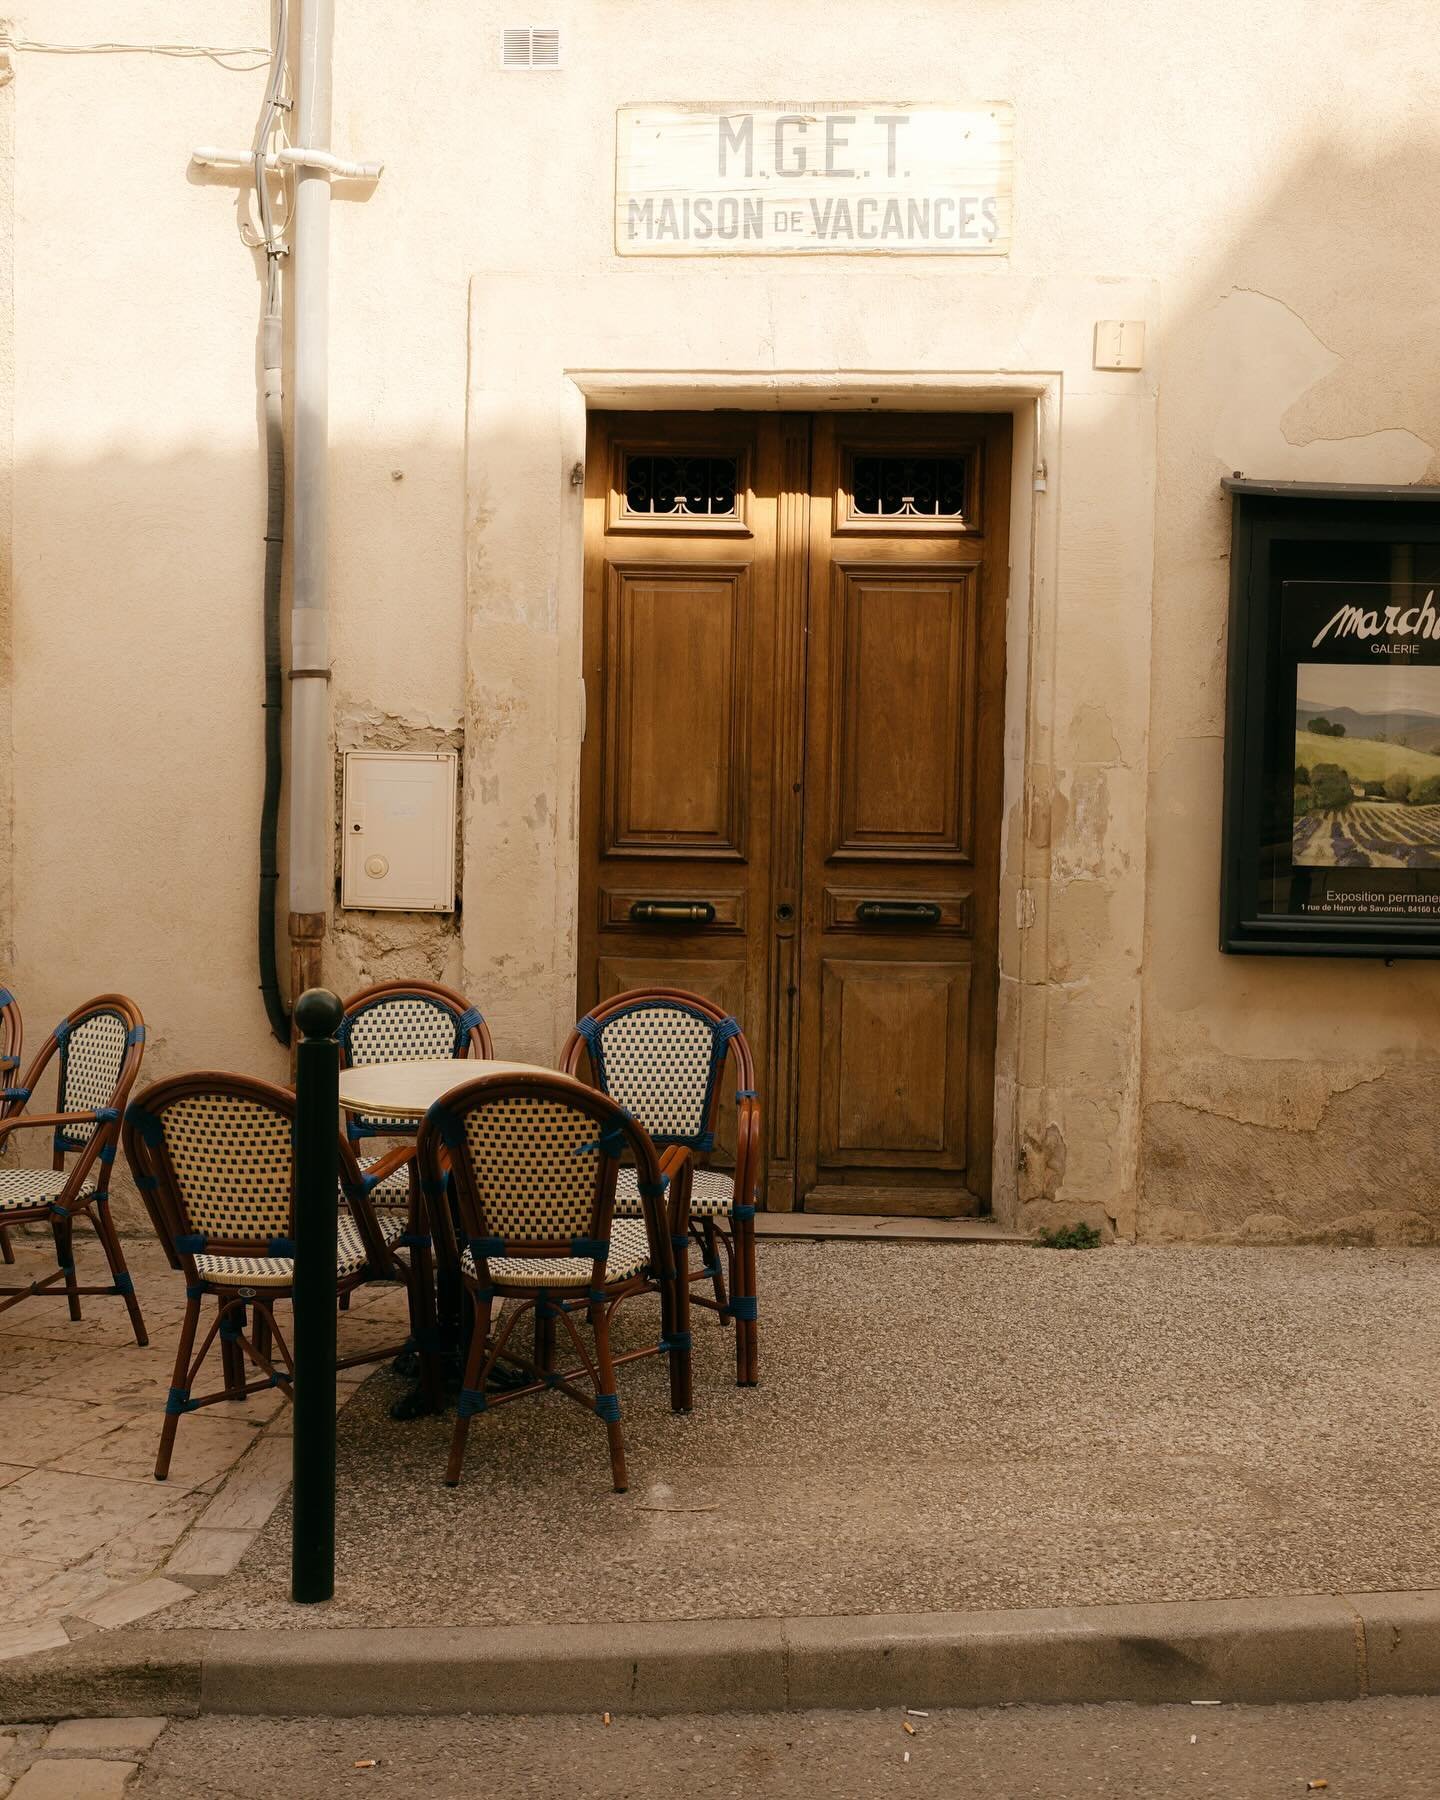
[1357, 691]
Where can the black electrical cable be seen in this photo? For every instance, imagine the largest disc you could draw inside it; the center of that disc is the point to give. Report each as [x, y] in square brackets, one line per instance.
[270, 356]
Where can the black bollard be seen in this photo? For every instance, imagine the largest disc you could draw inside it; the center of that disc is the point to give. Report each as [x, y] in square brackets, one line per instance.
[317, 1174]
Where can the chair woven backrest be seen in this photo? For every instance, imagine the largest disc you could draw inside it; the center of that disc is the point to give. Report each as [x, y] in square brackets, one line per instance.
[660, 1057]
[92, 1056]
[219, 1149]
[534, 1159]
[406, 1022]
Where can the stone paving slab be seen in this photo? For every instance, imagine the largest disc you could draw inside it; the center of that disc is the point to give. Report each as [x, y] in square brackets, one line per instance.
[93, 1541]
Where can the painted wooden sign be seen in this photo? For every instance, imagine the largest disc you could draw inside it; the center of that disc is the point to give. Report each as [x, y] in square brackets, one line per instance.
[813, 179]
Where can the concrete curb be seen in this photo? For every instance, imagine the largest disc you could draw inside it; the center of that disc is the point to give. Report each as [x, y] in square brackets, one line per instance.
[1292, 1648]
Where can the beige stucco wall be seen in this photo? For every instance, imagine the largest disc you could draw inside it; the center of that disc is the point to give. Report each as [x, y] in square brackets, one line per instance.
[1200, 168]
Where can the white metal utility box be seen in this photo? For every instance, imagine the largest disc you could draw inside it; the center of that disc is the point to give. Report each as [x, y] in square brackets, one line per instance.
[399, 829]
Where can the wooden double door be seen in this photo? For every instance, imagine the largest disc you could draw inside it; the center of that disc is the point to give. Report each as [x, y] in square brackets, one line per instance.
[791, 772]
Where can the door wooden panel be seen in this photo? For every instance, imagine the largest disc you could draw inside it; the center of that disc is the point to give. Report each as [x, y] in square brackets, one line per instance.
[790, 781]
[893, 1068]
[903, 714]
[676, 689]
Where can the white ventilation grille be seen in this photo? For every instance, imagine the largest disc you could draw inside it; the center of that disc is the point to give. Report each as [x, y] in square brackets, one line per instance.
[530, 47]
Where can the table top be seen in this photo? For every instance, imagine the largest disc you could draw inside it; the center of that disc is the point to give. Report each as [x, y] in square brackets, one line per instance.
[407, 1090]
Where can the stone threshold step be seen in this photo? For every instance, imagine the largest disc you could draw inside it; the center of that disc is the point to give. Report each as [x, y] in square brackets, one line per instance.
[871, 1227]
[1285, 1649]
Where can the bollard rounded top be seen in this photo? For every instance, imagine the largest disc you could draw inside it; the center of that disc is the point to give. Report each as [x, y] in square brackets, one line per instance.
[318, 1013]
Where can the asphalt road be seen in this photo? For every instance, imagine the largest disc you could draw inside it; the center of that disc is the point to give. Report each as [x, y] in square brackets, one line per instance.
[1365, 1750]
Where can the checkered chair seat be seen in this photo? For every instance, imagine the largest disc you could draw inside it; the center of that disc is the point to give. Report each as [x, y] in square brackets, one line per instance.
[711, 1196]
[394, 1190]
[629, 1254]
[279, 1271]
[21, 1189]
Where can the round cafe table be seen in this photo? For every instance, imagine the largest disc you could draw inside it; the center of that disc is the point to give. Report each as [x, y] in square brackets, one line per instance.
[405, 1092]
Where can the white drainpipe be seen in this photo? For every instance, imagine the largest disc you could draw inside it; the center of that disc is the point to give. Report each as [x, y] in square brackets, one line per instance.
[311, 778]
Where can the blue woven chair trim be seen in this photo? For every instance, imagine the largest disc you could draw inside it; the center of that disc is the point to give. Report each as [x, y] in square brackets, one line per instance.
[544, 1309]
[107, 1153]
[191, 1243]
[146, 1123]
[608, 1408]
[178, 1401]
[552, 1378]
[103, 1114]
[232, 1323]
[15, 1093]
[135, 1035]
[597, 1249]
[742, 1212]
[194, 1291]
[123, 1283]
[466, 1023]
[676, 1341]
[145, 1181]
[57, 1211]
[743, 1306]
[66, 1143]
[589, 1029]
[471, 1401]
[62, 1032]
[9, 1062]
[680, 1240]
[486, 1246]
[612, 1141]
[746, 1094]
[653, 1190]
[280, 1246]
[6, 997]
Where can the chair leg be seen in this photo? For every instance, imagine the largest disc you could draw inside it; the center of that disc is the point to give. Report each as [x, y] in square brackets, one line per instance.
[544, 1338]
[712, 1263]
[7, 1249]
[64, 1236]
[232, 1357]
[179, 1388]
[682, 1398]
[260, 1332]
[110, 1240]
[472, 1394]
[607, 1400]
[746, 1283]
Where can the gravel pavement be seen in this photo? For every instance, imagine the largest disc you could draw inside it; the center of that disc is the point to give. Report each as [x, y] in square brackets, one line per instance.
[1364, 1750]
[939, 1427]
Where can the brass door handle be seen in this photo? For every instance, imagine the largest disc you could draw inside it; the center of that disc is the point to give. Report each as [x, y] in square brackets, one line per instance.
[672, 912]
[897, 912]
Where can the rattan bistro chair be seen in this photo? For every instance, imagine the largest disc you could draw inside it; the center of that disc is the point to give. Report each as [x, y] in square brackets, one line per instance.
[533, 1160]
[661, 1052]
[12, 1097]
[213, 1158]
[404, 1021]
[99, 1046]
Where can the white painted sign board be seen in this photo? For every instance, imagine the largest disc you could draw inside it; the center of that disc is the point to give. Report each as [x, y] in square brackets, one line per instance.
[803, 178]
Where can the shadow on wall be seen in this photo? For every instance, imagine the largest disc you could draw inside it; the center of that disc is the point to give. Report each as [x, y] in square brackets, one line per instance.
[1282, 1098]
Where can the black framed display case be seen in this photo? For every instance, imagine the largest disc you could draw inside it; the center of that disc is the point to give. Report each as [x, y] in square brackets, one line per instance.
[1331, 825]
